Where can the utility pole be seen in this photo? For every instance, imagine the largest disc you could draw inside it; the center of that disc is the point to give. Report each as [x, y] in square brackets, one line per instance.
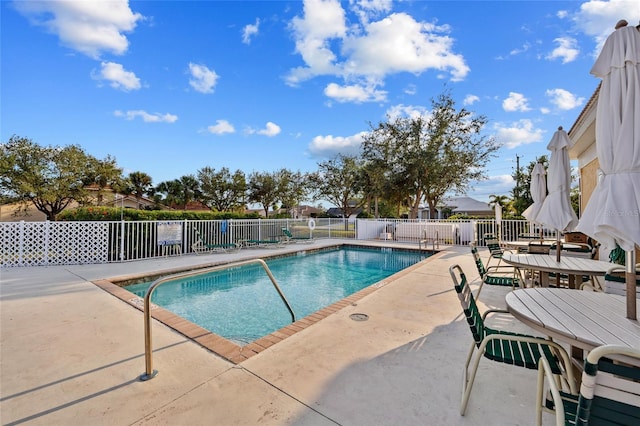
[517, 192]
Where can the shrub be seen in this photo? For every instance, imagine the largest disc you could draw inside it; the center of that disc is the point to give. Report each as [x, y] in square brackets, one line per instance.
[96, 213]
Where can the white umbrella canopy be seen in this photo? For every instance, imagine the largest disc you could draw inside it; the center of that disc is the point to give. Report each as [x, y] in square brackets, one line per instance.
[612, 215]
[556, 211]
[538, 190]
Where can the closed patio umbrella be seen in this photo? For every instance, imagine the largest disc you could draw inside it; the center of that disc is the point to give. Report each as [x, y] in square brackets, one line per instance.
[556, 211]
[612, 215]
[498, 213]
[538, 191]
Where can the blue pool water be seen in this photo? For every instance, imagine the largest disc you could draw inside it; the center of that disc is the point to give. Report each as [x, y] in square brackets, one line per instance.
[241, 303]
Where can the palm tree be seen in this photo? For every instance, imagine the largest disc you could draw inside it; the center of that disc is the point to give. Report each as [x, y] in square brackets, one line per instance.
[140, 185]
[503, 200]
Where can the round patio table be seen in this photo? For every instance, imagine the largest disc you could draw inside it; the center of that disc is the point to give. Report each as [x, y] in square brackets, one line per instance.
[570, 265]
[583, 319]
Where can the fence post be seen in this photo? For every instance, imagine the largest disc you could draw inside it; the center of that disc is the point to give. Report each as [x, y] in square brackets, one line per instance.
[121, 239]
[184, 238]
[47, 230]
[21, 244]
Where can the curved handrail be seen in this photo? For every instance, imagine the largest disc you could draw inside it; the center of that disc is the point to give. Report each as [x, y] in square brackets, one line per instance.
[150, 373]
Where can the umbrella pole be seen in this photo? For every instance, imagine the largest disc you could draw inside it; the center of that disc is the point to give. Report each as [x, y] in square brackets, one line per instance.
[630, 278]
[558, 247]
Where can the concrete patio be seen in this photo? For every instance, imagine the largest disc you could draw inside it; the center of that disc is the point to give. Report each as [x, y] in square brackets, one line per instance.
[71, 354]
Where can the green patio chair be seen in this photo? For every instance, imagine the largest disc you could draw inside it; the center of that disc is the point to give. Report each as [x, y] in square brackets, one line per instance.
[504, 346]
[494, 275]
[292, 239]
[495, 250]
[609, 394]
[199, 246]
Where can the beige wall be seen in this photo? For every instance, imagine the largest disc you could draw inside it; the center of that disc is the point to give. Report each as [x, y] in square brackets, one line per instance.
[588, 181]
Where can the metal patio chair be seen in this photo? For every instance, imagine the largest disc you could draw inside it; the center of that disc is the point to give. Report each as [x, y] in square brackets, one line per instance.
[494, 275]
[504, 346]
[609, 394]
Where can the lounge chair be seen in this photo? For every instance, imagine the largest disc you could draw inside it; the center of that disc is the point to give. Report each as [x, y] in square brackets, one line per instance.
[494, 275]
[503, 346]
[609, 394]
[291, 239]
[260, 243]
[200, 247]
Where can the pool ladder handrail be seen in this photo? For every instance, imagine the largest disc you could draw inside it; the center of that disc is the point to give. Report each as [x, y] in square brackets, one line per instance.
[434, 241]
[150, 373]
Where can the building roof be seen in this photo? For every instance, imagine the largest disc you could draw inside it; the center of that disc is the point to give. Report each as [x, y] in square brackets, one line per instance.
[466, 204]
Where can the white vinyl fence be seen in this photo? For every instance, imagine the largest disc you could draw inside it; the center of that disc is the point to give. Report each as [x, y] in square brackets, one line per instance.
[67, 243]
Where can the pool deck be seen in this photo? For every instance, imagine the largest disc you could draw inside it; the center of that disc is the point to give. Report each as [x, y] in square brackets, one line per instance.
[71, 354]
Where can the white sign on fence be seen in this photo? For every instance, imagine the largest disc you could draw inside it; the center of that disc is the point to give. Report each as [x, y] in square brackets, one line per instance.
[169, 233]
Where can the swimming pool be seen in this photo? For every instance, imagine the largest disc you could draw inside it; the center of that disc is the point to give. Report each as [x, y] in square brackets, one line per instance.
[240, 303]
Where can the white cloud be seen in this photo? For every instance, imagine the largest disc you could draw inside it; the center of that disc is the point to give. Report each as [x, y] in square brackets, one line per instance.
[411, 89]
[221, 127]
[329, 146]
[562, 14]
[398, 43]
[271, 129]
[369, 51]
[147, 117]
[354, 93]
[522, 49]
[598, 18]
[470, 100]
[203, 79]
[366, 9]
[566, 50]
[117, 76]
[323, 21]
[90, 27]
[494, 185]
[515, 102]
[564, 99]
[522, 132]
[410, 111]
[249, 31]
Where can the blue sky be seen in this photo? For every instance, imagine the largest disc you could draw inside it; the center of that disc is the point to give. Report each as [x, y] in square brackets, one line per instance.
[169, 87]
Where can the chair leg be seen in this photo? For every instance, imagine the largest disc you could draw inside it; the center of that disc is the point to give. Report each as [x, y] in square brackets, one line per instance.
[479, 288]
[467, 381]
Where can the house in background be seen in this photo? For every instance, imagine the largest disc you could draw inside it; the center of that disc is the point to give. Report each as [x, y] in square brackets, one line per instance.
[14, 213]
[457, 205]
[298, 212]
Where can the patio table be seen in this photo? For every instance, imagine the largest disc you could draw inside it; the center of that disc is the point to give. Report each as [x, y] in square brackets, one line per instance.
[569, 265]
[583, 319]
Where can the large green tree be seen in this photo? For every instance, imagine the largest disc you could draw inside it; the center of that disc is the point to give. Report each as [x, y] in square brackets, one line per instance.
[263, 189]
[339, 181]
[103, 174]
[221, 190]
[49, 177]
[292, 187]
[431, 155]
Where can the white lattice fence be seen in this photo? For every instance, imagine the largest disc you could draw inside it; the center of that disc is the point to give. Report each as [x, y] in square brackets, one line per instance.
[53, 243]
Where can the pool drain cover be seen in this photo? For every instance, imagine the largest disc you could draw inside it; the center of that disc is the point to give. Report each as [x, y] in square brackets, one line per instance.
[359, 317]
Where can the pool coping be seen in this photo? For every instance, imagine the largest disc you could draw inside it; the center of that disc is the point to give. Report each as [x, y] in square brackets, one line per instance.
[223, 347]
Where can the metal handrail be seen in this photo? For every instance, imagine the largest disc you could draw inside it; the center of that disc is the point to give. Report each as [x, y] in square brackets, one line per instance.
[150, 373]
[434, 241]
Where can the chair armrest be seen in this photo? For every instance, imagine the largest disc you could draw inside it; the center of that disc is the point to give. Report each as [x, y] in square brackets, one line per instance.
[494, 311]
[498, 268]
[545, 374]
